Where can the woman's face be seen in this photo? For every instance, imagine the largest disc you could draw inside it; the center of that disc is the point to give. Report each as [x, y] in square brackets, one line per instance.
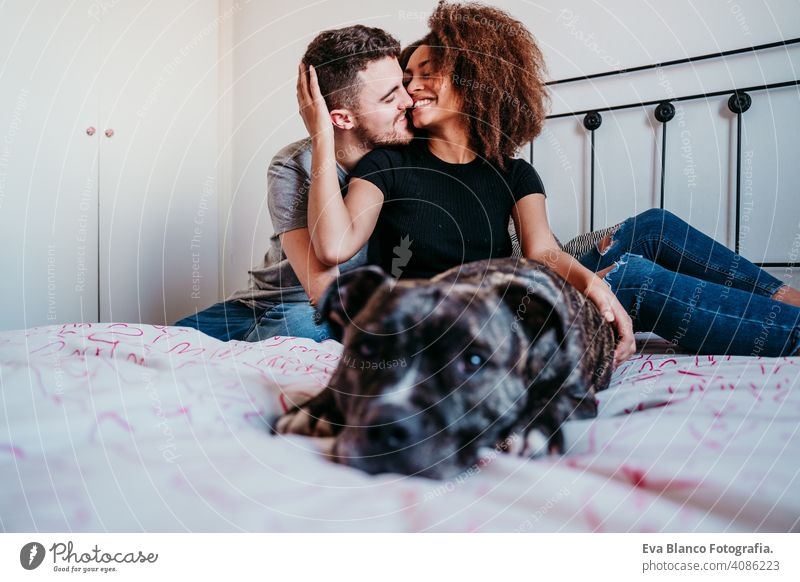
[436, 103]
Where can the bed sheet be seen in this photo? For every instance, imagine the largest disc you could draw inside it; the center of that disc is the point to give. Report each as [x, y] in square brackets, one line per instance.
[120, 427]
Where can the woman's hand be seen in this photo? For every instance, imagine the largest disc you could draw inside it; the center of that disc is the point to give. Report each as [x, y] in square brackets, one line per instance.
[312, 106]
[539, 244]
[608, 304]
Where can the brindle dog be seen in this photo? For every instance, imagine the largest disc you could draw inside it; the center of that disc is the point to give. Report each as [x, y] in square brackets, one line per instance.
[495, 353]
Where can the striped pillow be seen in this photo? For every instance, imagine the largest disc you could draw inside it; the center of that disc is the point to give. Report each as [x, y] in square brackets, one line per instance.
[577, 247]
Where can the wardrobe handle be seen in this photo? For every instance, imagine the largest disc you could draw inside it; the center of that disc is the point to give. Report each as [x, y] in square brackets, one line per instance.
[109, 133]
[90, 130]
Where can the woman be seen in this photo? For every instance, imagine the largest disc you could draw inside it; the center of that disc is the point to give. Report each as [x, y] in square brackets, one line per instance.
[476, 81]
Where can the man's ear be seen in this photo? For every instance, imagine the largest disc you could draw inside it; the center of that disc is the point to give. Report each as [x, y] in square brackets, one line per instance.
[346, 297]
[343, 118]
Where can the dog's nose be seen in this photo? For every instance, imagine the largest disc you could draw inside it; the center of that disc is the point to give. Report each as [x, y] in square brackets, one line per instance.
[392, 427]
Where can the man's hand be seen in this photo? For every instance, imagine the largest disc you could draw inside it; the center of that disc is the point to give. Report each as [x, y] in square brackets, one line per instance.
[610, 307]
[312, 106]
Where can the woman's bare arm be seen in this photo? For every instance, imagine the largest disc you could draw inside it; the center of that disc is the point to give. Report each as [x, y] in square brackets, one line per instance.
[538, 243]
[339, 227]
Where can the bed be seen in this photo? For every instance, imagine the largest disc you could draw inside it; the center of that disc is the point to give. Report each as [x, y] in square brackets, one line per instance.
[119, 427]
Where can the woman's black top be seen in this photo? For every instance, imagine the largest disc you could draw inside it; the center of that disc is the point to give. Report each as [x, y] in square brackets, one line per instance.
[437, 215]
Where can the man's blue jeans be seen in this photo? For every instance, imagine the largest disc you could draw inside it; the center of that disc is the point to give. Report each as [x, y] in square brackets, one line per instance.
[693, 291]
[232, 320]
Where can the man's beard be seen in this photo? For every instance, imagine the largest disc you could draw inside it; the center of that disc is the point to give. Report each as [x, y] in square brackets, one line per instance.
[372, 139]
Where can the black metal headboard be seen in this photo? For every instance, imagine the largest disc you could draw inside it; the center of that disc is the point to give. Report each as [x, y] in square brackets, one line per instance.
[738, 103]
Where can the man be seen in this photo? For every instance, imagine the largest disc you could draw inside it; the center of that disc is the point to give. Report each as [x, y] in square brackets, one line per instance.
[362, 82]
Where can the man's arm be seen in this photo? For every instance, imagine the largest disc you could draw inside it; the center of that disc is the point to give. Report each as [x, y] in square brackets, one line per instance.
[287, 199]
[313, 275]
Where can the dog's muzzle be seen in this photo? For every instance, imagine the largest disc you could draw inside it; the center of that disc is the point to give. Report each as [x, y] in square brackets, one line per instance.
[396, 439]
[395, 429]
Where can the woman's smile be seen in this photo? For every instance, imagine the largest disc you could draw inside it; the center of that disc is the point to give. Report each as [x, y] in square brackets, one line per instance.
[423, 102]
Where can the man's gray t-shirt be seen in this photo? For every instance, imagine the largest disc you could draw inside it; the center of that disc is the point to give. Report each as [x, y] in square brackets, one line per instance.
[288, 181]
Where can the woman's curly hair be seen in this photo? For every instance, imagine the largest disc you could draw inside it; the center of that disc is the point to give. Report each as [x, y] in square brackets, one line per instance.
[497, 70]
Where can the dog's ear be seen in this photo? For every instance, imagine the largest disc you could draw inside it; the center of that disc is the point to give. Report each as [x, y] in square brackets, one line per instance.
[532, 307]
[539, 308]
[347, 296]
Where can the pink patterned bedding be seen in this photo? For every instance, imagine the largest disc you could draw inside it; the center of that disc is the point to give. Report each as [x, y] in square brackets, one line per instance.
[115, 427]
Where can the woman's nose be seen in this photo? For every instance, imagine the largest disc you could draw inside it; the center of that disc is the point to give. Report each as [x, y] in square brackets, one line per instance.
[413, 86]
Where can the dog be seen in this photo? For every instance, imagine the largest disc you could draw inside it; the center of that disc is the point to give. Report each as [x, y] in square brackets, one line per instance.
[496, 353]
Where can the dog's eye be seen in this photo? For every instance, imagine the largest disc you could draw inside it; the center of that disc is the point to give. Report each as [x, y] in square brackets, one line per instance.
[473, 361]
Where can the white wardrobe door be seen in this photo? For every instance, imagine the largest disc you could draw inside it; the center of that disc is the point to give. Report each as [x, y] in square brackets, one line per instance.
[48, 163]
[158, 176]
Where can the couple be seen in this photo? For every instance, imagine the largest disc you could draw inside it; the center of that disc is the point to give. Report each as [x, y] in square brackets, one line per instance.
[421, 144]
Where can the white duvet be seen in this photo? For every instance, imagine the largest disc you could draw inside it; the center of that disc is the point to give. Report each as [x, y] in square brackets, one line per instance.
[117, 427]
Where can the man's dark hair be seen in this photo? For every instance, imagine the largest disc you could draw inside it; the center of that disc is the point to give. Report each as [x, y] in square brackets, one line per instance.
[338, 55]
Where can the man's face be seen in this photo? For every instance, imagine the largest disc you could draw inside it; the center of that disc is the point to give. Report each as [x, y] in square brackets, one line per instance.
[381, 105]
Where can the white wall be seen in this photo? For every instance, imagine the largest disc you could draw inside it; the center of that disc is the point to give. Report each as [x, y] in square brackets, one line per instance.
[94, 225]
[578, 37]
[259, 43]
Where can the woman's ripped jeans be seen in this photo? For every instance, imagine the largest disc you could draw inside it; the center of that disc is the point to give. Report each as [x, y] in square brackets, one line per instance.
[696, 293]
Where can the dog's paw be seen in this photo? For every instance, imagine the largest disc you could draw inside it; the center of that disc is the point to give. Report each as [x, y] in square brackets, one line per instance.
[534, 443]
[511, 445]
[302, 422]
